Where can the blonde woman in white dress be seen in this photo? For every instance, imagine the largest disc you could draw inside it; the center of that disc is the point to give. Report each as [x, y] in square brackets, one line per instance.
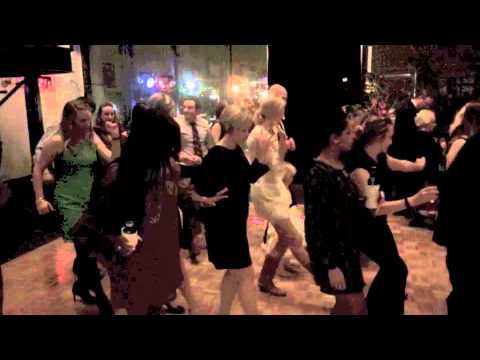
[270, 194]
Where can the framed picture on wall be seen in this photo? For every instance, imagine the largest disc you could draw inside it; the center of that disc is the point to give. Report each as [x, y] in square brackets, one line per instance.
[109, 75]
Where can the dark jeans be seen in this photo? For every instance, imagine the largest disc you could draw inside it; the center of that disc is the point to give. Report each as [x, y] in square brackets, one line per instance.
[387, 292]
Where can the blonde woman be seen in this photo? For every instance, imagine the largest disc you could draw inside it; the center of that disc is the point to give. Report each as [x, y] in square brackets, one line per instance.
[226, 166]
[75, 152]
[459, 132]
[270, 194]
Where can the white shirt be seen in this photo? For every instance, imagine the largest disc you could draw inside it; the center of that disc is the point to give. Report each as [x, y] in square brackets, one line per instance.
[186, 133]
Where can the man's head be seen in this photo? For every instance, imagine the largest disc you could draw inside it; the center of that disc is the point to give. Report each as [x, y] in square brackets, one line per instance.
[190, 108]
[278, 91]
[423, 100]
[162, 102]
[425, 120]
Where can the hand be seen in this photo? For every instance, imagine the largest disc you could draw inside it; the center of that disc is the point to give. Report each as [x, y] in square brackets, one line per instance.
[337, 280]
[44, 207]
[5, 194]
[283, 144]
[197, 160]
[420, 163]
[429, 193]
[291, 144]
[189, 159]
[124, 135]
[381, 198]
[212, 201]
[127, 245]
[113, 129]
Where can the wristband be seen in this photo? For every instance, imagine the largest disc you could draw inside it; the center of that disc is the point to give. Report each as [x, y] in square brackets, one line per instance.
[407, 205]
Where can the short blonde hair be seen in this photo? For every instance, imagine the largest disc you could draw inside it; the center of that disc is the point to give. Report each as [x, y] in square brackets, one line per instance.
[235, 117]
[270, 107]
[424, 118]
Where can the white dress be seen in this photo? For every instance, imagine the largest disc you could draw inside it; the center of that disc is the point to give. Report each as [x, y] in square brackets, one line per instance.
[270, 195]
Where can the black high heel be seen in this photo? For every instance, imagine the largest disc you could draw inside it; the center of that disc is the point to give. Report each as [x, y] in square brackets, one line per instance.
[87, 270]
[83, 293]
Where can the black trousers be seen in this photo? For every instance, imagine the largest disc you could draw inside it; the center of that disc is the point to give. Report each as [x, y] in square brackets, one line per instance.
[464, 274]
[387, 292]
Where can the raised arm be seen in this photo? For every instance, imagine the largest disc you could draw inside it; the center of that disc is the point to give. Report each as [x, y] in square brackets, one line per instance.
[406, 166]
[105, 153]
[360, 178]
[454, 150]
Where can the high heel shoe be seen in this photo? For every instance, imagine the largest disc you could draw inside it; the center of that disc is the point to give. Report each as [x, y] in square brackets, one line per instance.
[83, 293]
[174, 309]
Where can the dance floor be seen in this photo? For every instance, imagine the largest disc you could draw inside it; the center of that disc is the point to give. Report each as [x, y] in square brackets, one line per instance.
[39, 282]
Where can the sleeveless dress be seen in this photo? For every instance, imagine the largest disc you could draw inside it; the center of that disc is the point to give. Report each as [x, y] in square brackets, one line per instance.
[154, 272]
[269, 194]
[74, 171]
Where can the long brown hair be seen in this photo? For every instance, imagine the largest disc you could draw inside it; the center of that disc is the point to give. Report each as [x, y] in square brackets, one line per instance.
[70, 111]
[98, 120]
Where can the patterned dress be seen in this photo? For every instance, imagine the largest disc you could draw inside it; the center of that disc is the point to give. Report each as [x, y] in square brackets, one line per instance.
[154, 272]
[335, 220]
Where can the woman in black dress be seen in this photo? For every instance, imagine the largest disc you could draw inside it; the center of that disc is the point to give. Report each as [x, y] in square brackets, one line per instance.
[367, 161]
[226, 166]
[333, 215]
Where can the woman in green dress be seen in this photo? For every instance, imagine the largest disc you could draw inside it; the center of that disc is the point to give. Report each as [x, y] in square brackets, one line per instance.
[74, 156]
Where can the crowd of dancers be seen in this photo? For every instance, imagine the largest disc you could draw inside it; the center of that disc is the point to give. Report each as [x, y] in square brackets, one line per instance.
[131, 200]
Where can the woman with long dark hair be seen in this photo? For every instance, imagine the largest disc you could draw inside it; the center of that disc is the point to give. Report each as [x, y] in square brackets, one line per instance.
[146, 195]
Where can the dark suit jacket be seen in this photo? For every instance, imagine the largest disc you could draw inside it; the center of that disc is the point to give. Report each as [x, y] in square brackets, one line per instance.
[405, 130]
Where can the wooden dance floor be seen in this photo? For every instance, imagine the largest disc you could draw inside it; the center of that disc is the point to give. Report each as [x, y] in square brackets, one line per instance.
[39, 282]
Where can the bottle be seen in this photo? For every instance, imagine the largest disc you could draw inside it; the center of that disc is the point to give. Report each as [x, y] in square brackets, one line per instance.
[130, 233]
[129, 228]
[373, 190]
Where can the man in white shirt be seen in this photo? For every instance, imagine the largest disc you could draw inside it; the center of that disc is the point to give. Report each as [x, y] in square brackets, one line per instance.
[195, 134]
[196, 140]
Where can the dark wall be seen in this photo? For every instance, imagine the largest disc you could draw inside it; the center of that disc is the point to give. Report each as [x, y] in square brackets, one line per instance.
[22, 229]
[313, 77]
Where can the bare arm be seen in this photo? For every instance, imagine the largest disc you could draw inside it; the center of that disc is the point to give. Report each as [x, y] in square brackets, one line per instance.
[52, 148]
[405, 165]
[210, 141]
[454, 150]
[105, 153]
[360, 178]
[216, 132]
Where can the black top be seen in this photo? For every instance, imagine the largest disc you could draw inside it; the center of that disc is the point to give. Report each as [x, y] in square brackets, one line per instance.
[335, 218]
[226, 223]
[457, 223]
[359, 159]
[222, 168]
[426, 146]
